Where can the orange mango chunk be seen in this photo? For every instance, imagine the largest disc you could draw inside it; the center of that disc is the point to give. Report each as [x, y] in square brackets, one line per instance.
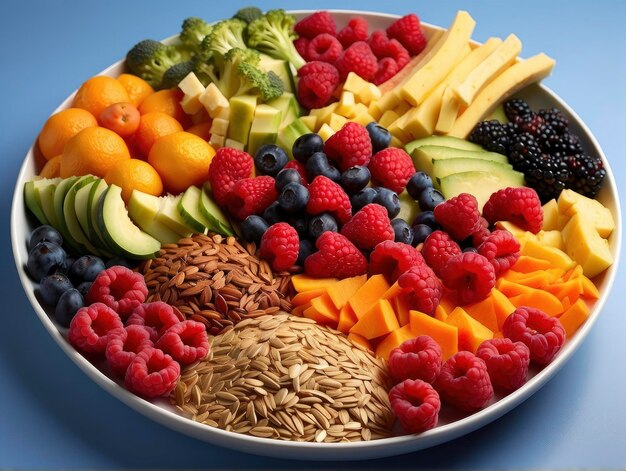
[378, 321]
[446, 335]
[402, 306]
[360, 340]
[556, 257]
[299, 310]
[590, 290]
[344, 289]
[535, 279]
[484, 312]
[440, 313]
[322, 311]
[394, 339]
[303, 282]
[502, 306]
[394, 291]
[575, 272]
[572, 289]
[306, 296]
[448, 303]
[565, 301]
[539, 299]
[471, 332]
[510, 289]
[527, 264]
[347, 318]
[368, 295]
[574, 317]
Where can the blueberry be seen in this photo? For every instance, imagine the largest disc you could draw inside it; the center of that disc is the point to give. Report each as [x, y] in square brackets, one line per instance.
[44, 233]
[85, 268]
[362, 198]
[69, 259]
[121, 261]
[429, 198]
[44, 259]
[53, 286]
[355, 179]
[318, 164]
[69, 303]
[307, 145]
[273, 213]
[321, 223]
[420, 232]
[84, 288]
[293, 198]
[306, 248]
[270, 159]
[470, 249]
[286, 176]
[389, 200]
[253, 227]
[380, 136]
[426, 217]
[402, 231]
[418, 183]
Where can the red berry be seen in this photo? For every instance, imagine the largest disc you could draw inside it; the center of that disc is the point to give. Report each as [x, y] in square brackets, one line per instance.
[123, 345]
[397, 52]
[357, 58]
[301, 44]
[355, 30]
[416, 404]
[391, 168]
[156, 317]
[470, 275]
[280, 245]
[378, 41]
[300, 168]
[464, 382]
[326, 195]
[543, 335]
[120, 288]
[368, 227]
[387, 68]
[152, 373]
[501, 249]
[418, 358]
[317, 83]
[520, 206]
[316, 23]
[336, 257]
[481, 233]
[251, 196]
[507, 362]
[324, 47]
[438, 249]
[350, 146]
[186, 342]
[425, 288]
[459, 216]
[90, 327]
[408, 31]
[392, 259]
[227, 168]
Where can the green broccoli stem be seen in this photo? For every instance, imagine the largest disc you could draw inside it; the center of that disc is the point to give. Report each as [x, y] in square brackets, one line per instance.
[286, 47]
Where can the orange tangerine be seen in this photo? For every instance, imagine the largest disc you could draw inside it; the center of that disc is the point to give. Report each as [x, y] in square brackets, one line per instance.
[52, 168]
[60, 127]
[166, 101]
[182, 159]
[92, 151]
[99, 92]
[202, 130]
[134, 174]
[136, 87]
[153, 126]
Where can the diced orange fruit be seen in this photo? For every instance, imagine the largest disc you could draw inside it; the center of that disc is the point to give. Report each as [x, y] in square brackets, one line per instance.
[526, 264]
[368, 294]
[539, 299]
[343, 290]
[484, 312]
[307, 283]
[440, 313]
[574, 317]
[446, 335]
[401, 306]
[556, 257]
[299, 310]
[448, 303]
[360, 340]
[511, 289]
[471, 332]
[378, 321]
[572, 289]
[575, 272]
[589, 288]
[502, 306]
[347, 318]
[306, 296]
[394, 291]
[325, 308]
[393, 340]
[534, 279]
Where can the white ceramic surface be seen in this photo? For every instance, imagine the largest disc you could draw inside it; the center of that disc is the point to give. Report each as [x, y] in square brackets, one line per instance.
[162, 412]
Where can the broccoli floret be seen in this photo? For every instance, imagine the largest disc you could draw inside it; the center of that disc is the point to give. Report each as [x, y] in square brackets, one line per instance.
[193, 31]
[173, 75]
[248, 14]
[224, 36]
[150, 59]
[273, 34]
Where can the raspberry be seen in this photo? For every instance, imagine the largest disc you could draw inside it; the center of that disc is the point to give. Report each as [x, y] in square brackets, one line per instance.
[481, 233]
[416, 404]
[123, 345]
[408, 31]
[227, 168]
[425, 288]
[152, 373]
[251, 196]
[459, 216]
[186, 342]
[336, 257]
[543, 335]
[301, 45]
[438, 249]
[464, 382]
[156, 317]
[357, 58]
[316, 23]
[355, 30]
[387, 68]
[418, 358]
[507, 362]
[351, 146]
[317, 84]
[391, 168]
[90, 327]
[397, 52]
[325, 48]
[368, 227]
[392, 259]
[470, 275]
[326, 195]
[120, 288]
[280, 245]
[378, 41]
[521, 206]
[501, 249]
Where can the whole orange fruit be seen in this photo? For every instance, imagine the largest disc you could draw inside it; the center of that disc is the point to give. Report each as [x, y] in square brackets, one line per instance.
[134, 174]
[153, 126]
[99, 92]
[52, 168]
[136, 87]
[167, 101]
[60, 127]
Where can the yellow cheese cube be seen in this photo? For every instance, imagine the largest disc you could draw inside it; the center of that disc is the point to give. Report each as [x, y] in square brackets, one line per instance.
[346, 105]
[323, 114]
[387, 118]
[551, 216]
[212, 99]
[219, 126]
[337, 121]
[234, 144]
[586, 246]
[354, 83]
[217, 141]
[309, 121]
[192, 89]
[325, 131]
[592, 211]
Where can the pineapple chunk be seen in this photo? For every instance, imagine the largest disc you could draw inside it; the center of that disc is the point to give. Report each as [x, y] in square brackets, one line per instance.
[192, 89]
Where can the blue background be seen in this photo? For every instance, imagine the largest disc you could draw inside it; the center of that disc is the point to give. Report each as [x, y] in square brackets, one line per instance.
[53, 416]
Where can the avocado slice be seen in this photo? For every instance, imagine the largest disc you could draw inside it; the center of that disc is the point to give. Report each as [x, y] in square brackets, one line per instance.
[280, 67]
[242, 109]
[142, 209]
[212, 213]
[479, 184]
[83, 212]
[189, 209]
[265, 126]
[289, 107]
[170, 216]
[444, 167]
[60, 193]
[71, 219]
[409, 209]
[446, 141]
[94, 233]
[424, 156]
[32, 196]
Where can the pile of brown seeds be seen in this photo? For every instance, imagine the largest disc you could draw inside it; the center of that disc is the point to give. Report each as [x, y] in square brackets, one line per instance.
[288, 378]
[216, 281]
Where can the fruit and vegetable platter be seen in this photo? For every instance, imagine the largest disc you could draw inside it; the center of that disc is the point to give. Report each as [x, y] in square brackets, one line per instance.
[323, 227]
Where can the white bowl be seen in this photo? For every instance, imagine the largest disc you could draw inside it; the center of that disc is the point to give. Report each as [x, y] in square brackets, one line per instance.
[162, 412]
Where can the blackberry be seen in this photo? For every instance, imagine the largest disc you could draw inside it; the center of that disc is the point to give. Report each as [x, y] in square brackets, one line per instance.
[566, 144]
[516, 107]
[524, 151]
[544, 136]
[549, 177]
[555, 119]
[530, 123]
[587, 174]
[492, 135]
